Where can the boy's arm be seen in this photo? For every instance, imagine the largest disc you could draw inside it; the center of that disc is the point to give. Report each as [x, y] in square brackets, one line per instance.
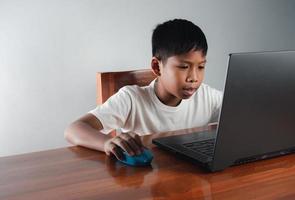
[86, 132]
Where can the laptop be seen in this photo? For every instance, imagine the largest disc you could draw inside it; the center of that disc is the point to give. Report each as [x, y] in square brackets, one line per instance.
[257, 117]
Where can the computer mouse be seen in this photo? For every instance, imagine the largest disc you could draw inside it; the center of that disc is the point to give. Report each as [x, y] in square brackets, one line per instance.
[144, 159]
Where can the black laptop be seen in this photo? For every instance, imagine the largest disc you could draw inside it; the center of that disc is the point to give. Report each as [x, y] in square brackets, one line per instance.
[257, 119]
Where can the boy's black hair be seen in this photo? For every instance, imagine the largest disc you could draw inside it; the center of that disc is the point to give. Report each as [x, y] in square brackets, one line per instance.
[176, 37]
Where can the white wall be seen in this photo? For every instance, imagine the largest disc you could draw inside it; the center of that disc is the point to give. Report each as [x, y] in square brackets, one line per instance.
[51, 50]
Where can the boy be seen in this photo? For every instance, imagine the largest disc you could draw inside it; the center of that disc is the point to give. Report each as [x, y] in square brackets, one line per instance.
[176, 99]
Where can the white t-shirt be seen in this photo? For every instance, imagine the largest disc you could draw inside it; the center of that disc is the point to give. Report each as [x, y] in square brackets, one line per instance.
[138, 109]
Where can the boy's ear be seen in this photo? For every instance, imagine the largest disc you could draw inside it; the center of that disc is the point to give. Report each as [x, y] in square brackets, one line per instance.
[155, 64]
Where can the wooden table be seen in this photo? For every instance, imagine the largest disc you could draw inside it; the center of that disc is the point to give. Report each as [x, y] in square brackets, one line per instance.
[80, 173]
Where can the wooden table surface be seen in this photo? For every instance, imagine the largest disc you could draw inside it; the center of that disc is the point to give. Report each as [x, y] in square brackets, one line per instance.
[80, 173]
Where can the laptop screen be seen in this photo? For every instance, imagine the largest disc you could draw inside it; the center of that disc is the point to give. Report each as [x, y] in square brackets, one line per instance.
[258, 106]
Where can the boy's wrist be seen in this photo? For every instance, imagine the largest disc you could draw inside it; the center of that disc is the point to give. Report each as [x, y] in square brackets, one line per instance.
[107, 144]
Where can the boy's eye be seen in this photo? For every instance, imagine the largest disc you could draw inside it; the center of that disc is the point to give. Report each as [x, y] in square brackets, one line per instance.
[201, 67]
[183, 66]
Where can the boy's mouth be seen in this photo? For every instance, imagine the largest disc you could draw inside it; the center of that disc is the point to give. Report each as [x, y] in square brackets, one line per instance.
[189, 91]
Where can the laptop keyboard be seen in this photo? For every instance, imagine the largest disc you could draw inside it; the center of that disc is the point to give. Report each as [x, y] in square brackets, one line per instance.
[205, 147]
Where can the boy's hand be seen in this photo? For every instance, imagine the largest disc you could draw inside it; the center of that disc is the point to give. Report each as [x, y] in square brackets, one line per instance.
[129, 142]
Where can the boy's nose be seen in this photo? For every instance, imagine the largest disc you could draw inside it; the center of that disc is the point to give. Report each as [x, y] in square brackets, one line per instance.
[193, 77]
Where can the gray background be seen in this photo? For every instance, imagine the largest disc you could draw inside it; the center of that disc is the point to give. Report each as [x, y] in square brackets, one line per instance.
[51, 50]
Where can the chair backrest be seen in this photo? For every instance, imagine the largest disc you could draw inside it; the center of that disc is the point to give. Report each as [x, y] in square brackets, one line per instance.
[108, 83]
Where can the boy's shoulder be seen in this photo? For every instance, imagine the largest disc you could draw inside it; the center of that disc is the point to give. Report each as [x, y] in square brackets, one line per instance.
[207, 88]
[136, 91]
[207, 91]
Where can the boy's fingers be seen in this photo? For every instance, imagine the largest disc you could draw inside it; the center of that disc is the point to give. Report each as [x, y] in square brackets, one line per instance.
[137, 139]
[132, 143]
[116, 152]
[123, 145]
[135, 146]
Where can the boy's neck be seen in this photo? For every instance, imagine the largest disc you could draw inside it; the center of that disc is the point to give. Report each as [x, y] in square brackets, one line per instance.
[164, 96]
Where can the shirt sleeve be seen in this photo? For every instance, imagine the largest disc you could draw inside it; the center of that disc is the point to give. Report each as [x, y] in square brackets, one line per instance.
[216, 97]
[114, 112]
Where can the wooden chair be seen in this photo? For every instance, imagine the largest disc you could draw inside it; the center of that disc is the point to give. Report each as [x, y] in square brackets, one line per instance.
[108, 83]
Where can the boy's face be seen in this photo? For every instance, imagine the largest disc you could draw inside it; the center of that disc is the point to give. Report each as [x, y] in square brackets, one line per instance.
[179, 77]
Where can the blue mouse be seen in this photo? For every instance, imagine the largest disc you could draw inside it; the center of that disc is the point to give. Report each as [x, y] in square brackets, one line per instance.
[144, 159]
